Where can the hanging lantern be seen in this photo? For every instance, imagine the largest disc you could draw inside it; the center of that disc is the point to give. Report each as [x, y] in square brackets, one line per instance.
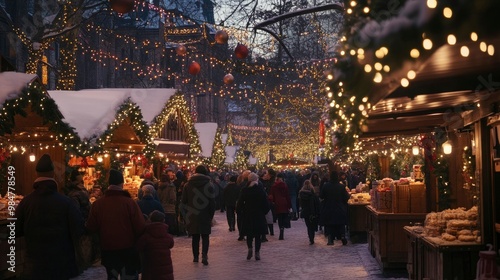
[447, 147]
[122, 6]
[228, 79]
[32, 157]
[415, 150]
[181, 50]
[241, 51]
[194, 68]
[221, 37]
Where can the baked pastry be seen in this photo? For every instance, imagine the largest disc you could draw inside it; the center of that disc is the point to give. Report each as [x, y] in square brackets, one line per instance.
[448, 237]
[467, 238]
[465, 232]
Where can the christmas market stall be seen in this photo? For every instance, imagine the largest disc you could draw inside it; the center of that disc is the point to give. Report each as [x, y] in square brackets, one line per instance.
[437, 81]
[30, 125]
[113, 126]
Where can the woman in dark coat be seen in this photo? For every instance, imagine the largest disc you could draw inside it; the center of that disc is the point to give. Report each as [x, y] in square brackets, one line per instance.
[253, 206]
[280, 198]
[334, 211]
[155, 245]
[198, 204]
[309, 209]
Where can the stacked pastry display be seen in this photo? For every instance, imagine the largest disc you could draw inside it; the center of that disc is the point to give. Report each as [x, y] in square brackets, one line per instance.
[454, 225]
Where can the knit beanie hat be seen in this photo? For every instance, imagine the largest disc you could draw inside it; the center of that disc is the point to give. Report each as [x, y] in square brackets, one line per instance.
[156, 216]
[115, 177]
[201, 170]
[44, 164]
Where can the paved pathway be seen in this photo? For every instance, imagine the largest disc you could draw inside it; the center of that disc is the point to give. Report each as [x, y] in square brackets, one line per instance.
[292, 258]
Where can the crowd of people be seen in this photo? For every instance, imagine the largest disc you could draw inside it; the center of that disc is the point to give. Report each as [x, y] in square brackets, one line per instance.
[135, 236]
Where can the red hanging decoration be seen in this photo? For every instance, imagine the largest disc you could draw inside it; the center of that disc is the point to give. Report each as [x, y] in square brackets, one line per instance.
[194, 68]
[122, 6]
[221, 37]
[321, 132]
[228, 79]
[181, 50]
[84, 163]
[241, 51]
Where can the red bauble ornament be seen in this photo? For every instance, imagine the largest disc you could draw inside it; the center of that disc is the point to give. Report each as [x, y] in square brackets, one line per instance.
[181, 50]
[122, 6]
[241, 51]
[221, 37]
[228, 79]
[194, 68]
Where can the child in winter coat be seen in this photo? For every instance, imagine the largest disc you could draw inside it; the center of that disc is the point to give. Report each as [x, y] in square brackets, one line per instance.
[155, 245]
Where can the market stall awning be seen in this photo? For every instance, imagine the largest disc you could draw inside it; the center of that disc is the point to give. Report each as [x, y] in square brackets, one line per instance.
[206, 133]
[172, 148]
[447, 87]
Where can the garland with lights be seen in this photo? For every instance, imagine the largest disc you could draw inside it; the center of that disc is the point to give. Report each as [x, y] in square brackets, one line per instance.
[177, 105]
[128, 110]
[34, 98]
[365, 59]
[373, 168]
[4, 165]
[402, 164]
[240, 160]
[468, 168]
[441, 170]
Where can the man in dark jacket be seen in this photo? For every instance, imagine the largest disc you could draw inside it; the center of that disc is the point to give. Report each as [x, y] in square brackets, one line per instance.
[231, 194]
[119, 221]
[51, 225]
[334, 211]
[198, 203]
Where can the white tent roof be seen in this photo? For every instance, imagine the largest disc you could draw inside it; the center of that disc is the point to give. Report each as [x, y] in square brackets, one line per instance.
[12, 84]
[91, 111]
[206, 134]
[231, 153]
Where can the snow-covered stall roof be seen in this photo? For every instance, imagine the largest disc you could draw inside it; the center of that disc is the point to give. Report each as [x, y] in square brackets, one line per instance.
[90, 111]
[206, 134]
[231, 153]
[12, 84]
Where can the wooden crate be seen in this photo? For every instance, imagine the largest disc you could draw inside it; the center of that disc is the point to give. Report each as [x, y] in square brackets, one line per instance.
[384, 201]
[417, 198]
[401, 198]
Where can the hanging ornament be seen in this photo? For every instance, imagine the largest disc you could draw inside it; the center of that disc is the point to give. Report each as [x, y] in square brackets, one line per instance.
[228, 79]
[194, 68]
[221, 37]
[122, 6]
[241, 51]
[181, 50]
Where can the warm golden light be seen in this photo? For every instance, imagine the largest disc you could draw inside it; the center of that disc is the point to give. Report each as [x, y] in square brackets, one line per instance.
[411, 74]
[432, 4]
[414, 53]
[32, 157]
[447, 148]
[483, 47]
[368, 68]
[491, 50]
[464, 51]
[405, 82]
[447, 12]
[474, 37]
[377, 78]
[415, 150]
[427, 44]
[452, 40]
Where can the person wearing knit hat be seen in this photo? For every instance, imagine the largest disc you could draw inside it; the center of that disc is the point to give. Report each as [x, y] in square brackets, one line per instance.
[119, 222]
[45, 167]
[51, 224]
[252, 206]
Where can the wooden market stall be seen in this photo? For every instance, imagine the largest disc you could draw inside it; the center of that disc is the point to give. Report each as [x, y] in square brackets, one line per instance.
[438, 82]
[30, 125]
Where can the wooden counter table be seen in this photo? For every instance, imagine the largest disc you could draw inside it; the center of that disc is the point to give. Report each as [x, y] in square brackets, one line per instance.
[387, 241]
[358, 222]
[434, 259]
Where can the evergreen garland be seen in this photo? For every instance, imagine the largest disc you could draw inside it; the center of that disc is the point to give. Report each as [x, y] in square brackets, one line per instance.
[441, 170]
[373, 168]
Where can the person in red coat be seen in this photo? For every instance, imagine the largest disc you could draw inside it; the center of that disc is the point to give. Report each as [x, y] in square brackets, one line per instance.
[155, 245]
[280, 198]
[118, 220]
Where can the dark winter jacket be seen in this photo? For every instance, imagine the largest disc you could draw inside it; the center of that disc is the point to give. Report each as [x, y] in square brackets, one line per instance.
[334, 209]
[168, 196]
[155, 245]
[253, 206]
[148, 204]
[280, 198]
[231, 194]
[51, 225]
[309, 207]
[198, 204]
[80, 197]
[118, 220]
